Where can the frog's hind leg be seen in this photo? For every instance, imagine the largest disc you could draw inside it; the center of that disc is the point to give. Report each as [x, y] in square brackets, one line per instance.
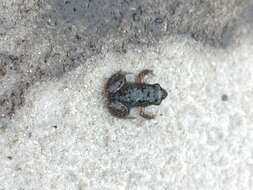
[146, 115]
[118, 109]
[140, 77]
[115, 82]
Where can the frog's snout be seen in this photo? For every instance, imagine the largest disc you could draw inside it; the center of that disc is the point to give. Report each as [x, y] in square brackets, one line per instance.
[164, 94]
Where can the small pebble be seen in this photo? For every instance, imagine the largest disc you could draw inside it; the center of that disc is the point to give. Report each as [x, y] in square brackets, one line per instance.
[224, 97]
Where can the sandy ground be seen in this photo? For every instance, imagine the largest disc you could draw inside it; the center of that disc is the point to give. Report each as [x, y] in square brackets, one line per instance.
[55, 129]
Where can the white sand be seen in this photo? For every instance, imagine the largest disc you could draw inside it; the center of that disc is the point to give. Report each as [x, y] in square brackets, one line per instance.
[197, 141]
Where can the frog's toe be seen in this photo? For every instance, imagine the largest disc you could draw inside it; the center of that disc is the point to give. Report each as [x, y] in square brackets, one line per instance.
[146, 115]
[118, 109]
[142, 74]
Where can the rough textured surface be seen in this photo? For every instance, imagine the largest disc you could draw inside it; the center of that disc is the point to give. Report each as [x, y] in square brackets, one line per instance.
[64, 137]
[47, 38]
[55, 130]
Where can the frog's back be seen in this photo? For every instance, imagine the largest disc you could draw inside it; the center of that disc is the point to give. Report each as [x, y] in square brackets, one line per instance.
[139, 94]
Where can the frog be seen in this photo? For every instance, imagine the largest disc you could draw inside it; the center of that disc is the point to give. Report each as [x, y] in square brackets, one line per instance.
[123, 95]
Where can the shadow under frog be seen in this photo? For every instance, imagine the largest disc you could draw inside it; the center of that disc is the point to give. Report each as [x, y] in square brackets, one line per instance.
[123, 95]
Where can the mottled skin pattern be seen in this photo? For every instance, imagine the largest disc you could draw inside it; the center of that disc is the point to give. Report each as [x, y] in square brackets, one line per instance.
[123, 95]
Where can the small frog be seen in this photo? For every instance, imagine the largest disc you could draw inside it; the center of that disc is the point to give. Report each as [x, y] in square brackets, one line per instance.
[123, 95]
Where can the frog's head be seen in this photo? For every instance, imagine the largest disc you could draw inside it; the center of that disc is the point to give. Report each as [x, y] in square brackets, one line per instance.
[160, 94]
[164, 93]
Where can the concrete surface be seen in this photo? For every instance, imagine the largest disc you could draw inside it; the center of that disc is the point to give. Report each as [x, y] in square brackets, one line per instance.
[55, 130]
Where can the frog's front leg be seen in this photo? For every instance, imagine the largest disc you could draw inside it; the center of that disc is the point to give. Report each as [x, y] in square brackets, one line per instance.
[140, 77]
[118, 109]
[146, 115]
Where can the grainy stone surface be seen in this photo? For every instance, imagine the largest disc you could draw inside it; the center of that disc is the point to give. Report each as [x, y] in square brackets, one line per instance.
[55, 130]
[64, 137]
[48, 38]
